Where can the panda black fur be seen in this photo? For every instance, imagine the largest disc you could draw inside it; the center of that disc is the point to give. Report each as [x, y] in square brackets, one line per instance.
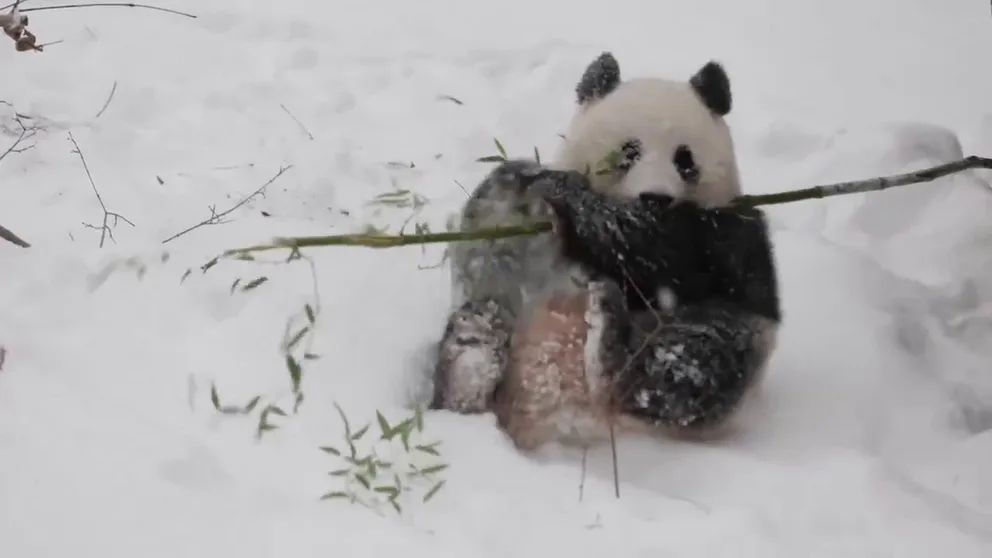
[667, 290]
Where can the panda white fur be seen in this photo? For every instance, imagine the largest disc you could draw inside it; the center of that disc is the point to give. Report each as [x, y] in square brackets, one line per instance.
[654, 303]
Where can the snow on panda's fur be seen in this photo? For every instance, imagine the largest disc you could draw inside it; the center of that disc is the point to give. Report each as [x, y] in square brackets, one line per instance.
[653, 304]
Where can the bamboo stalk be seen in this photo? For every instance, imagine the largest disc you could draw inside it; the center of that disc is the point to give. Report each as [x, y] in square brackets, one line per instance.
[815, 192]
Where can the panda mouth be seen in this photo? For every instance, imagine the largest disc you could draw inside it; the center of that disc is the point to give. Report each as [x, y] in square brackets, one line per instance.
[689, 175]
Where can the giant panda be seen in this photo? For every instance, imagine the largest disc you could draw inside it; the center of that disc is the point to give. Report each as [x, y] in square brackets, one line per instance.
[653, 305]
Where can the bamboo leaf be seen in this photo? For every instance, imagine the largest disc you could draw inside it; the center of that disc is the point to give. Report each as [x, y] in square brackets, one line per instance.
[430, 493]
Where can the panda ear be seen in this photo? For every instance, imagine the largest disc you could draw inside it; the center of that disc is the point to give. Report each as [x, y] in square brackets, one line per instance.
[712, 86]
[601, 77]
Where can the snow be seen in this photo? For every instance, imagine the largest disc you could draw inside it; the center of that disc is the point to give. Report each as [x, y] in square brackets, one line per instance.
[872, 438]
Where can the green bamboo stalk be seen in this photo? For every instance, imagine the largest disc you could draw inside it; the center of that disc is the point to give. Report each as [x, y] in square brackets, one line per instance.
[814, 192]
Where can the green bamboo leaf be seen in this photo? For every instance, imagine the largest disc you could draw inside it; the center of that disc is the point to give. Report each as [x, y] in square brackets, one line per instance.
[361, 432]
[430, 493]
[254, 283]
[333, 495]
[214, 397]
[499, 146]
[331, 450]
[339, 472]
[427, 449]
[297, 338]
[396, 506]
[418, 418]
[383, 425]
[251, 404]
[311, 316]
[295, 372]
[433, 469]
[386, 489]
[490, 159]
[363, 481]
[185, 275]
[234, 285]
[275, 410]
[265, 427]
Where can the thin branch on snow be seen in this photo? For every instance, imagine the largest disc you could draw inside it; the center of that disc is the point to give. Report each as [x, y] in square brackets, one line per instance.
[298, 123]
[491, 233]
[216, 218]
[9, 236]
[109, 5]
[109, 98]
[24, 133]
[105, 227]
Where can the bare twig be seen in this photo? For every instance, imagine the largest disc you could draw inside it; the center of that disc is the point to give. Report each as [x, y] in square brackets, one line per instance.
[109, 5]
[15, 4]
[24, 134]
[815, 192]
[216, 218]
[109, 98]
[298, 123]
[616, 469]
[582, 473]
[3, 356]
[104, 228]
[9, 236]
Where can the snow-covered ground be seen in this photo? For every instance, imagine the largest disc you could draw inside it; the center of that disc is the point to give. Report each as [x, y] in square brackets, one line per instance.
[872, 438]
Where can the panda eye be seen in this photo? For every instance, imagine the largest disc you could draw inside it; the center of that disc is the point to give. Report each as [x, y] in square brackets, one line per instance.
[630, 153]
[685, 164]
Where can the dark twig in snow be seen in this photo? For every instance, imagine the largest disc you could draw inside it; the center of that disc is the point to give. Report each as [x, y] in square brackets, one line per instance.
[216, 218]
[815, 192]
[298, 123]
[3, 356]
[105, 227]
[24, 134]
[9, 236]
[109, 5]
[15, 4]
[109, 98]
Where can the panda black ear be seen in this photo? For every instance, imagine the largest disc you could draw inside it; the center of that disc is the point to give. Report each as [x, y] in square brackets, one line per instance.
[601, 77]
[713, 88]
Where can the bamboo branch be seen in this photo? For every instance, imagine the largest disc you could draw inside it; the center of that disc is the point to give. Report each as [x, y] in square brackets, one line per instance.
[816, 192]
[870, 185]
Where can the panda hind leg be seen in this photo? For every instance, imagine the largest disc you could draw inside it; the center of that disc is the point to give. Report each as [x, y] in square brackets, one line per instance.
[471, 357]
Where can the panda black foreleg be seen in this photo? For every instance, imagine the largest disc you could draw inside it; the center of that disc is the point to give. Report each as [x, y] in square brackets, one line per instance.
[691, 371]
[491, 280]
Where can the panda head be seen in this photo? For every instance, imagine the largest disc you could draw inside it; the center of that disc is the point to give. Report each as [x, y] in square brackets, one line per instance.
[653, 135]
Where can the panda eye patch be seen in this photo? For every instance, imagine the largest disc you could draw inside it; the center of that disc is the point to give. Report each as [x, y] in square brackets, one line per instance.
[630, 153]
[685, 164]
